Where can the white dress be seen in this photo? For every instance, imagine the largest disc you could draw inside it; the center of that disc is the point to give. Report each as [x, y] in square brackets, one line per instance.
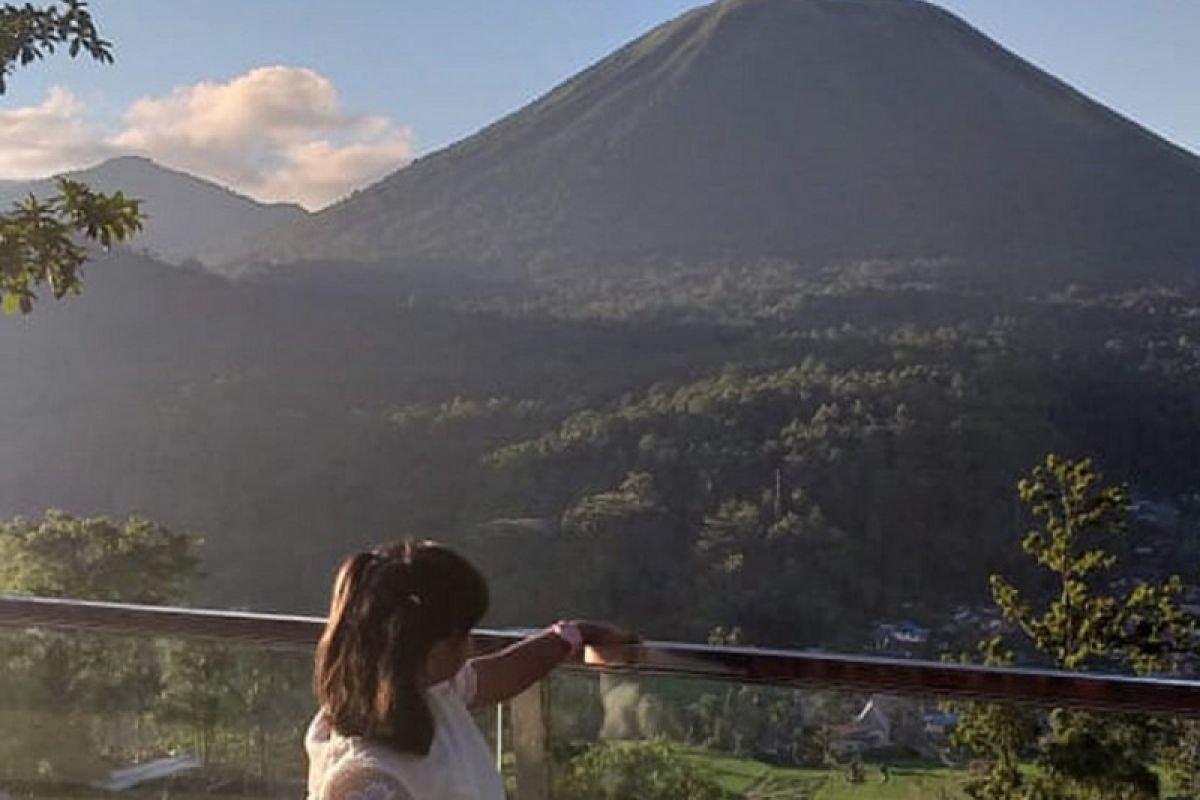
[458, 767]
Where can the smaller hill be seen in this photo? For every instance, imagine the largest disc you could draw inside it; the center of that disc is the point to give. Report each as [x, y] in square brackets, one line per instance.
[187, 217]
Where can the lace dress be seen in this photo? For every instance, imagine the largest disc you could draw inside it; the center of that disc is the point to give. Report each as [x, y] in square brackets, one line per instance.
[458, 767]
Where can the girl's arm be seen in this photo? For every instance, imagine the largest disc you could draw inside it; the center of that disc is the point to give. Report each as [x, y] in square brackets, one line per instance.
[505, 674]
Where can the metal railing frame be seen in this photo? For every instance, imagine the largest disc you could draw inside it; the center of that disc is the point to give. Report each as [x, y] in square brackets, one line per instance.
[741, 664]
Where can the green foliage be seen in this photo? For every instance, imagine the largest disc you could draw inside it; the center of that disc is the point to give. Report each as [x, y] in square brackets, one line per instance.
[40, 240]
[1082, 625]
[762, 722]
[50, 681]
[1078, 623]
[199, 691]
[593, 514]
[94, 558]
[624, 545]
[1181, 758]
[767, 480]
[29, 33]
[652, 770]
[79, 704]
[752, 556]
[68, 679]
[149, 694]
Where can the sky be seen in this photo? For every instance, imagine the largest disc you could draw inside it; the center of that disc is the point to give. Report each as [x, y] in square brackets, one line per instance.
[305, 100]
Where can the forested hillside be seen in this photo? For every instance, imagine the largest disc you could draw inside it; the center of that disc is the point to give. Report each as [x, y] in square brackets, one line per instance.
[798, 465]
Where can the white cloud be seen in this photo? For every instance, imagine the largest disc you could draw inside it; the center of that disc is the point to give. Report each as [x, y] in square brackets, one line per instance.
[325, 171]
[274, 133]
[53, 136]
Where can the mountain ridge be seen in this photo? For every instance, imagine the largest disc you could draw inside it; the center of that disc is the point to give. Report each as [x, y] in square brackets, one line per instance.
[188, 217]
[813, 131]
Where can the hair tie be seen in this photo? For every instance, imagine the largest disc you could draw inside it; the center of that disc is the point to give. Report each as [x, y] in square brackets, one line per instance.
[414, 600]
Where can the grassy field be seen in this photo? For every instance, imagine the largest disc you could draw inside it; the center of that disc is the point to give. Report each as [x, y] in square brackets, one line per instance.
[754, 779]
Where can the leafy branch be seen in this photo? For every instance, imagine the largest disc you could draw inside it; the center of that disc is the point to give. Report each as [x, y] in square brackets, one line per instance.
[44, 242]
[40, 240]
[29, 33]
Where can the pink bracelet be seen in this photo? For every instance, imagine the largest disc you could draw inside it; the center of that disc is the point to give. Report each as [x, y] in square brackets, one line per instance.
[569, 633]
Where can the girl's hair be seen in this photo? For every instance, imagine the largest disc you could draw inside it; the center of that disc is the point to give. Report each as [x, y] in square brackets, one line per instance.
[389, 607]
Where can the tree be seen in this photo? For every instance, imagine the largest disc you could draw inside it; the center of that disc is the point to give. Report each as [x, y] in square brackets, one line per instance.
[95, 558]
[751, 558]
[1078, 624]
[627, 553]
[194, 694]
[653, 770]
[1082, 625]
[74, 679]
[40, 240]
[28, 33]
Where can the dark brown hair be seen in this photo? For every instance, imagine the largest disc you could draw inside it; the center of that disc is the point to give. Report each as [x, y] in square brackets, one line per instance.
[389, 607]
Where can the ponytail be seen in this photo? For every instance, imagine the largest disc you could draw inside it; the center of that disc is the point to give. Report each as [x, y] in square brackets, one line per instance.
[399, 698]
[388, 608]
[338, 676]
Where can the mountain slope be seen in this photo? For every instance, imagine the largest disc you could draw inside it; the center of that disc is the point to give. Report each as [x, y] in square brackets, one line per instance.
[809, 130]
[270, 414]
[187, 217]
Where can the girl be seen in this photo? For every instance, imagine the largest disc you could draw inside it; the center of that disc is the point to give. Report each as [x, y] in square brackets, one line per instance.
[394, 682]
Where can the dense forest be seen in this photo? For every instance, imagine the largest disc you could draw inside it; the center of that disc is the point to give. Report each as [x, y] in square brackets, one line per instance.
[773, 454]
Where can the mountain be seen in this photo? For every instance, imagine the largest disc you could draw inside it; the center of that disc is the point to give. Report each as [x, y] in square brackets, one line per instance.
[187, 217]
[809, 131]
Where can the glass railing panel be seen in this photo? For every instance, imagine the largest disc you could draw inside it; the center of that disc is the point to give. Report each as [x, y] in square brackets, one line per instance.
[85, 713]
[146, 710]
[95, 714]
[665, 737]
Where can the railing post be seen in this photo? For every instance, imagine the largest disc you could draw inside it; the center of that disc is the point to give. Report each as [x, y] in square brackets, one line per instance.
[531, 743]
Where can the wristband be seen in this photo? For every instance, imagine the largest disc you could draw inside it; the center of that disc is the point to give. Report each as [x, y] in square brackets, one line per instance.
[569, 632]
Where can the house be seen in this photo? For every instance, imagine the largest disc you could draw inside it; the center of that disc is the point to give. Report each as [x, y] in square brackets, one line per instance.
[899, 635]
[870, 730]
[939, 724]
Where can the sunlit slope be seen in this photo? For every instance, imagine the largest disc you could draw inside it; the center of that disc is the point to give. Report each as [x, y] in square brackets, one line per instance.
[809, 130]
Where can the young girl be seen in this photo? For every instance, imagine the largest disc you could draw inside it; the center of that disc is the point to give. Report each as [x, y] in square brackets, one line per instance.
[394, 681]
